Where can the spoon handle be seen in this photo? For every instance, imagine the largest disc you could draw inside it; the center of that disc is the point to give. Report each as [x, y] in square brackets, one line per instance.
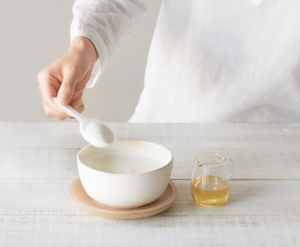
[71, 111]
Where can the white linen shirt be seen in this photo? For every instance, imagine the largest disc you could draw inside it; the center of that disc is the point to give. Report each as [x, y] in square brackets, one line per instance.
[209, 61]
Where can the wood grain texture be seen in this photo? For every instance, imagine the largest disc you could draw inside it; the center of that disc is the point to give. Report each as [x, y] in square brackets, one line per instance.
[50, 163]
[247, 197]
[205, 135]
[194, 231]
[48, 150]
[38, 162]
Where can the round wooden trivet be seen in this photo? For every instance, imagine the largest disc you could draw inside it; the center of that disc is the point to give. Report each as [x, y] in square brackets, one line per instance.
[86, 203]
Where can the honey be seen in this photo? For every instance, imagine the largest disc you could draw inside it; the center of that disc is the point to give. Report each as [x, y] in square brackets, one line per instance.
[210, 191]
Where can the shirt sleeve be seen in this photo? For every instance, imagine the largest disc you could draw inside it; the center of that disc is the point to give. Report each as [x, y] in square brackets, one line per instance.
[105, 23]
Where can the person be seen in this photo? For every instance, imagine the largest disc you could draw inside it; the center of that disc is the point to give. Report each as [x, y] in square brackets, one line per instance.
[209, 61]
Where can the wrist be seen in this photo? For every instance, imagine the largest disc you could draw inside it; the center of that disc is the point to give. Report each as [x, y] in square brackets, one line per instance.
[84, 45]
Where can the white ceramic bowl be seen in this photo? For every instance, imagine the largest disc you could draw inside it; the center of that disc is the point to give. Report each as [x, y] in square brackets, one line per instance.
[127, 174]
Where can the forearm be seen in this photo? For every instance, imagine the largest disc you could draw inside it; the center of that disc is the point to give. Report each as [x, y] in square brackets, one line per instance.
[106, 22]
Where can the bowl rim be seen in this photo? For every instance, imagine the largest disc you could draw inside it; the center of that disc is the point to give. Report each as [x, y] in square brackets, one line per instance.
[79, 162]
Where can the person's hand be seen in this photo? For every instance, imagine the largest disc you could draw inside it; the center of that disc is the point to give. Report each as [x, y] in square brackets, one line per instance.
[66, 78]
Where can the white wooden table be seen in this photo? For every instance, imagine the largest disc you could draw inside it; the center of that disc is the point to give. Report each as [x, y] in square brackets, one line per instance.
[38, 162]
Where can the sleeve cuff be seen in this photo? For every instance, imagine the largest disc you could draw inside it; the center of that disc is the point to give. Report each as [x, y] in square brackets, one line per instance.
[95, 74]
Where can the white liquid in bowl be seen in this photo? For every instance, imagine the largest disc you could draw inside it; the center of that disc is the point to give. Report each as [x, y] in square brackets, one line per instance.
[123, 163]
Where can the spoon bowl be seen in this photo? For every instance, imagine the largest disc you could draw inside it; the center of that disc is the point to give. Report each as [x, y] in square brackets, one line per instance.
[92, 130]
[107, 138]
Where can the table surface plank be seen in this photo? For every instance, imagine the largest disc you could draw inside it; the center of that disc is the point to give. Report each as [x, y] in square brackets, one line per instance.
[38, 162]
[61, 163]
[79, 230]
[249, 197]
[206, 135]
[260, 151]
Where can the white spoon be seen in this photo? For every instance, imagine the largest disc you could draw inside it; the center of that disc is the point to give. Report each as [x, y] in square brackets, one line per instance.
[92, 130]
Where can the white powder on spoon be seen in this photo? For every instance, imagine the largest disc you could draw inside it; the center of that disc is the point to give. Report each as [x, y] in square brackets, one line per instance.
[99, 131]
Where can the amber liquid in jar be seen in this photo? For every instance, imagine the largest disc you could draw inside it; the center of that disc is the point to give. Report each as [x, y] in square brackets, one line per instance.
[210, 191]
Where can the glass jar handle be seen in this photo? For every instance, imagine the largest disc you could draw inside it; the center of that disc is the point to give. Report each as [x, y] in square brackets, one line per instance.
[230, 167]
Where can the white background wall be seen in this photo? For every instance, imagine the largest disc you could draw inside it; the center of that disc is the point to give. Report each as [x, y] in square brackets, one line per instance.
[34, 33]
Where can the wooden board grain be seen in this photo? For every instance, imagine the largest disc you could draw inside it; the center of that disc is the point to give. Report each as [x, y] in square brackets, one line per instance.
[205, 135]
[194, 231]
[247, 197]
[50, 163]
[38, 162]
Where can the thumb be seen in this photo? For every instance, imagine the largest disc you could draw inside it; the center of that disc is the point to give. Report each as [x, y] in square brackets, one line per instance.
[67, 88]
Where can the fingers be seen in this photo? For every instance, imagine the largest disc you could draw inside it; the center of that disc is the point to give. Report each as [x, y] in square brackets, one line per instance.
[52, 110]
[67, 88]
[65, 79]
[48, 86]
[80, 109]
[76, 103]
[59, 114]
